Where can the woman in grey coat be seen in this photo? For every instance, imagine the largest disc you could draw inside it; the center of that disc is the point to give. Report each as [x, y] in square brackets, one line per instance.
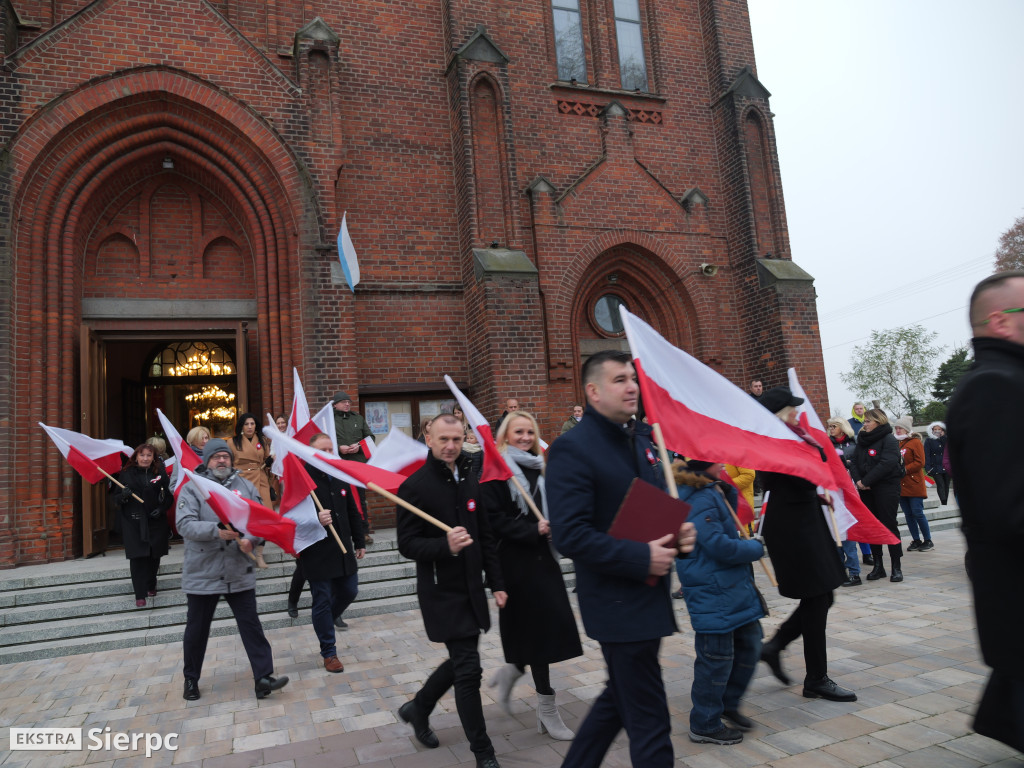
[217, 562]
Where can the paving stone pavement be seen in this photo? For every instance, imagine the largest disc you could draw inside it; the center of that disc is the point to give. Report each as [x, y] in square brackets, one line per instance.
[909, 650]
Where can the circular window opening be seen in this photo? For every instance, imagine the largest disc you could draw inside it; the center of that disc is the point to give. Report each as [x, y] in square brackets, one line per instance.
[606, 314]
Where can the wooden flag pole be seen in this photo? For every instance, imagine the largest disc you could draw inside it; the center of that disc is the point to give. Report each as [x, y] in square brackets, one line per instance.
[330, 526]
[529, 500]
[670, 480]
[743, 534]
[403, 503]
[250, 554]
[118, 484]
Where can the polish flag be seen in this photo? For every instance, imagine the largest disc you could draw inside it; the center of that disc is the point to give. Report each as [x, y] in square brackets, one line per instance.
[250, 518]
[183, 453]
[399, 453]
[494, 466]
[321, 422]
[853, 519]
[704, 415]
[297, 504]
[300, 408]
[351, 472]
[95, 460]
[368, 447]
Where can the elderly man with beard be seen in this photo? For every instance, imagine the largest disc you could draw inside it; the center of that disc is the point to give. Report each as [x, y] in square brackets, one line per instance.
[217, 563]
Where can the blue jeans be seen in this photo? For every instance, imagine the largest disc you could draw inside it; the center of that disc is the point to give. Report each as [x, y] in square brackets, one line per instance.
[721, 672]
[913, 510]
[330, 599]
[850, 557]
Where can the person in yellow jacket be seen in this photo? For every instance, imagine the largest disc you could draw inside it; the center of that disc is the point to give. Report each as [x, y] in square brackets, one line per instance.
[743, 479]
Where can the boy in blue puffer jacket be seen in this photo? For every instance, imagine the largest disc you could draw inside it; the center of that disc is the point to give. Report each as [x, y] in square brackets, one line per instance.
[725, 609]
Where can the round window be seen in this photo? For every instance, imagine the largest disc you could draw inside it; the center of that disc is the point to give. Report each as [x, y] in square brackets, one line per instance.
[606, 314]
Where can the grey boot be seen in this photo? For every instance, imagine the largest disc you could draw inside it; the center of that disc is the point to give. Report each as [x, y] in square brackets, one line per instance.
[549, 720]
[504, 680]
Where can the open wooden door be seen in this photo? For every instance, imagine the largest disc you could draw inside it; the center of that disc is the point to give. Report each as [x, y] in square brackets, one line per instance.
[92, 359]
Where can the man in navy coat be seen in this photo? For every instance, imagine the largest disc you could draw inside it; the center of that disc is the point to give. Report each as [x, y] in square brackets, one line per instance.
[589, 472]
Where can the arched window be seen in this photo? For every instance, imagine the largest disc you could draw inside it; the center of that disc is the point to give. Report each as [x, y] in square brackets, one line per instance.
[191, 359]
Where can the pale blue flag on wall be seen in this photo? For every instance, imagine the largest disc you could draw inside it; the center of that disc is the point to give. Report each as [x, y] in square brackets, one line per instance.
[347, 254]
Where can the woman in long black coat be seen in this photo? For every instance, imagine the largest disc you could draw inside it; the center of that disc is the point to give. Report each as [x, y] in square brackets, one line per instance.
[145, 530]
[806, 562]
[537, 624]
[877, 471]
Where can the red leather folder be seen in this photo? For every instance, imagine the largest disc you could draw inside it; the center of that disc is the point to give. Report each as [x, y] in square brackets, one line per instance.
[646, 514]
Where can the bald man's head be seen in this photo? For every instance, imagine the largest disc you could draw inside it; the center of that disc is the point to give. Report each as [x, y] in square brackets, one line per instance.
[997, 307]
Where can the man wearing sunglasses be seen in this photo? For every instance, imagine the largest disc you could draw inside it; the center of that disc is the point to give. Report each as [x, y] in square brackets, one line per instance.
[989, 397]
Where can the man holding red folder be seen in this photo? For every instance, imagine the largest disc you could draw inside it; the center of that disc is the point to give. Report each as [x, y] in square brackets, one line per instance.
[590, 469]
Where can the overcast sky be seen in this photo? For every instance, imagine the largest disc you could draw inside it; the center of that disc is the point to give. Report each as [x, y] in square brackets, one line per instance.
[899, 134]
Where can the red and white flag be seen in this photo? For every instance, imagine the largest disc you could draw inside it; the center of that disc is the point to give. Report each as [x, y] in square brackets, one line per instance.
[248, 517]
[297, 504]
[351, 472]
[184, 456]
[93, 459]
[399, 453]
[853, 519]
[300, 408]
[705, 416]
[494, 466]
[367, 446]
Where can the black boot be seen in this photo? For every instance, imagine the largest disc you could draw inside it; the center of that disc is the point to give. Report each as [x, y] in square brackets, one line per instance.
[268, 684]
[878, 572]
[420, 723]
[897, 574]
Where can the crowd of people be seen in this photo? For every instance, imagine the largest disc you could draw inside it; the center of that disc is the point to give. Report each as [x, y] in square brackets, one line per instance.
[507, 536]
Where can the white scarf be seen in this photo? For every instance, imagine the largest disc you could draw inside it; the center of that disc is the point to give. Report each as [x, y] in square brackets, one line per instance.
[520, 458]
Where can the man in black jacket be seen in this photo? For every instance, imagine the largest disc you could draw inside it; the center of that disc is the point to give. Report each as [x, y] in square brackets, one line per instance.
[989, 397]
[449, 581]
[589, 473]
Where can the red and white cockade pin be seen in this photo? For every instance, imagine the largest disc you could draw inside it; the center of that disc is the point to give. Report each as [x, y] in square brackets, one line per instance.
[650, 457]
[872, 451]
[471, 505]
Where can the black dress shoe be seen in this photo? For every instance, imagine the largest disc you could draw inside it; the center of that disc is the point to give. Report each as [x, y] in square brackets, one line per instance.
[878, 572]
[853, 581]
[420, 723]
[191, 692]
[293, 609]
[897, 575]
[770, 656]
[268, 684]
[868, 559]
[826, 688]
[340, 623]
[487, 762]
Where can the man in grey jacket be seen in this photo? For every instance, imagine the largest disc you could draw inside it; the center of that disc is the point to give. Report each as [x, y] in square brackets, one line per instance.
[217, 563]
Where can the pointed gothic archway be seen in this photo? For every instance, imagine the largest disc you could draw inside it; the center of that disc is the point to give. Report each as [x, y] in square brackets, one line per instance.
[170, 208]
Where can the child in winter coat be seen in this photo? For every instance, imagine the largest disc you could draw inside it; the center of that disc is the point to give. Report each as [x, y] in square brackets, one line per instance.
[724, 605]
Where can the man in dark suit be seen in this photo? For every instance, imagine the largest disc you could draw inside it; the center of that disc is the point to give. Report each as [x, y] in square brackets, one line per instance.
[589, 473]
[449, 581]
[989, 397]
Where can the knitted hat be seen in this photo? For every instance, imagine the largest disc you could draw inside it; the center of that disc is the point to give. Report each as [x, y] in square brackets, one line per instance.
[339, 396]
[216, 445]
[906, 422]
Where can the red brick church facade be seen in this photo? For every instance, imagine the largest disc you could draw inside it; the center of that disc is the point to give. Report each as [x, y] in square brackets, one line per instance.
[178, 169]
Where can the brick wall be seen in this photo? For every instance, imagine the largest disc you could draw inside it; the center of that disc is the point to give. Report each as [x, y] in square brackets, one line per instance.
[438, 128]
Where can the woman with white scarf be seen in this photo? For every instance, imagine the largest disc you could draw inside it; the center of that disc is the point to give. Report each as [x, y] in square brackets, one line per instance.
[537, 624]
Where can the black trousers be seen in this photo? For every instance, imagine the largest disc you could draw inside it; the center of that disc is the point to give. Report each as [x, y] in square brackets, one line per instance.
[942, 486]
[809, 619]
[298, 582]
[143, 570]
[462, 670]
[634, 699]
[197, 632]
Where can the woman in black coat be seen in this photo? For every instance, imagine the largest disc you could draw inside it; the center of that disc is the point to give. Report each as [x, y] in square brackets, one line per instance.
[807, 565]
[877, 471]
[537, 624]
[145, 530]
